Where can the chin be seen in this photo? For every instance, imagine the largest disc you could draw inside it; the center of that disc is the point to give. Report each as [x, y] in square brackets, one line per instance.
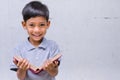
[37, 40]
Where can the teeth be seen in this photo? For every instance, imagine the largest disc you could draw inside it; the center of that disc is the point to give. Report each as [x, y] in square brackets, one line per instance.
[37, 35]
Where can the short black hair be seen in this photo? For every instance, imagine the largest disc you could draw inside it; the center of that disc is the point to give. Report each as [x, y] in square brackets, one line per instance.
[34, 9]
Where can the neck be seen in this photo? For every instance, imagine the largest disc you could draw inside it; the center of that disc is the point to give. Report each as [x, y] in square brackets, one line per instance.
[35, 43]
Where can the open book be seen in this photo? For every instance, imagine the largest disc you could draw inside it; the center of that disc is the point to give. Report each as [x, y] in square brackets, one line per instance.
[35, 69]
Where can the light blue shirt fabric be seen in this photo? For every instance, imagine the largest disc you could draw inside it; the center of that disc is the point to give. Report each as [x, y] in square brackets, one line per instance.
[36, 56]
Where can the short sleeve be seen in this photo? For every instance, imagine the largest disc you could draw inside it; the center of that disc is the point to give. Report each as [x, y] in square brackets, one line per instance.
[55, 50]
[14, 52]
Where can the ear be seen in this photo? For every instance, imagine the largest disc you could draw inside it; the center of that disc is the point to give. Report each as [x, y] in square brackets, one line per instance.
[24, 24]
[48, 24]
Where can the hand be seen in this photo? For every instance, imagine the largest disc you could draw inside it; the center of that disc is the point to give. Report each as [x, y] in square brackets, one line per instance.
[23, 64]
[49, 65]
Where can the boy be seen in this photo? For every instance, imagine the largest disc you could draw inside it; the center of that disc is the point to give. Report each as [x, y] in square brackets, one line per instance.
[36, 50]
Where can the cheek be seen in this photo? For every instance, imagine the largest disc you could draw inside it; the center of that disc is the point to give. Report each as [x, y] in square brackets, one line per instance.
[44, 30]
[29, 30]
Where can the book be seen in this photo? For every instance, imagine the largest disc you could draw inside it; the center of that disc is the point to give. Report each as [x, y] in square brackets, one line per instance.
[34, 68]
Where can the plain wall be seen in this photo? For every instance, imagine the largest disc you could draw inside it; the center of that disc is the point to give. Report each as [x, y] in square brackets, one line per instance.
[88, 32]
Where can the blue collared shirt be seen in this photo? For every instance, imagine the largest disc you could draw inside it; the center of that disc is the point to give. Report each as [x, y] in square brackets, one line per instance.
[36, 56]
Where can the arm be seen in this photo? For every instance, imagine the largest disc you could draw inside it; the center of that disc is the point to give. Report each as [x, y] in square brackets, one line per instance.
[21, 74]
[23, 66]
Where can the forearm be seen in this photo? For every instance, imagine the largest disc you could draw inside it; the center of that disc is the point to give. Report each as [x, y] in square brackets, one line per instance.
[21, 74]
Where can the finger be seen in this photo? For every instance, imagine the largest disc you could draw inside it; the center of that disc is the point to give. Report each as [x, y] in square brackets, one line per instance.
[15, 62]
[19, 63]
[24, 64]
[51, 65]
[56, 63]
[46, 63]
[27, 65]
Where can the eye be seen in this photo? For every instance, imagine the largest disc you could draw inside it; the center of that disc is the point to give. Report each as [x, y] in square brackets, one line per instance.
[42, 25]
[31, 25]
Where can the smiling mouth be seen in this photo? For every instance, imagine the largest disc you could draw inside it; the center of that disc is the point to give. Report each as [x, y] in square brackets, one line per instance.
[36, 35]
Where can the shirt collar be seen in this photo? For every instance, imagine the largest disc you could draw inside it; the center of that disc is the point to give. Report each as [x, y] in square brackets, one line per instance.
[42, 45]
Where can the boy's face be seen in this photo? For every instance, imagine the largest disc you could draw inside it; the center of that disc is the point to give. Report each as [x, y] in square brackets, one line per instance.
[36, 28]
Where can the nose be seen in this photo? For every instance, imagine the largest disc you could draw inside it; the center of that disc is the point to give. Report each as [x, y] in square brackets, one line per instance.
[36, 29]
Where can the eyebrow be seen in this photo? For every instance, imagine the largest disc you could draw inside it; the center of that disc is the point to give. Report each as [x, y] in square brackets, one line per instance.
[39, 22]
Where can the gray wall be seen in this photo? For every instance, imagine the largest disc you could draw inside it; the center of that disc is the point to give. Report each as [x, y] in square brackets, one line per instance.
[88, 32]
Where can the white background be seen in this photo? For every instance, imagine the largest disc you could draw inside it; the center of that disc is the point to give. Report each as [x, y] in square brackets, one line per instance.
[88, 32]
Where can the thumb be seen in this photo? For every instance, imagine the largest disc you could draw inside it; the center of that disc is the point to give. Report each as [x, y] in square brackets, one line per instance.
[15, 61]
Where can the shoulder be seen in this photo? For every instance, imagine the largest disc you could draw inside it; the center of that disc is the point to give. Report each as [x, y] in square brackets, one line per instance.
[20, 45]
[51, 43]
[52, 46]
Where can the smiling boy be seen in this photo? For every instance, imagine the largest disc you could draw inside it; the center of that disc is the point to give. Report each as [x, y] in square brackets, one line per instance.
[36, 49]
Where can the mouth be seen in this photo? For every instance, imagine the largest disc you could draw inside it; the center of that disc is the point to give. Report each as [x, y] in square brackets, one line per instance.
[36, 35]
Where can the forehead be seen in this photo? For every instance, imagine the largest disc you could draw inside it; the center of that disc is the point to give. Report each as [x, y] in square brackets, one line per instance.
[37, 19]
